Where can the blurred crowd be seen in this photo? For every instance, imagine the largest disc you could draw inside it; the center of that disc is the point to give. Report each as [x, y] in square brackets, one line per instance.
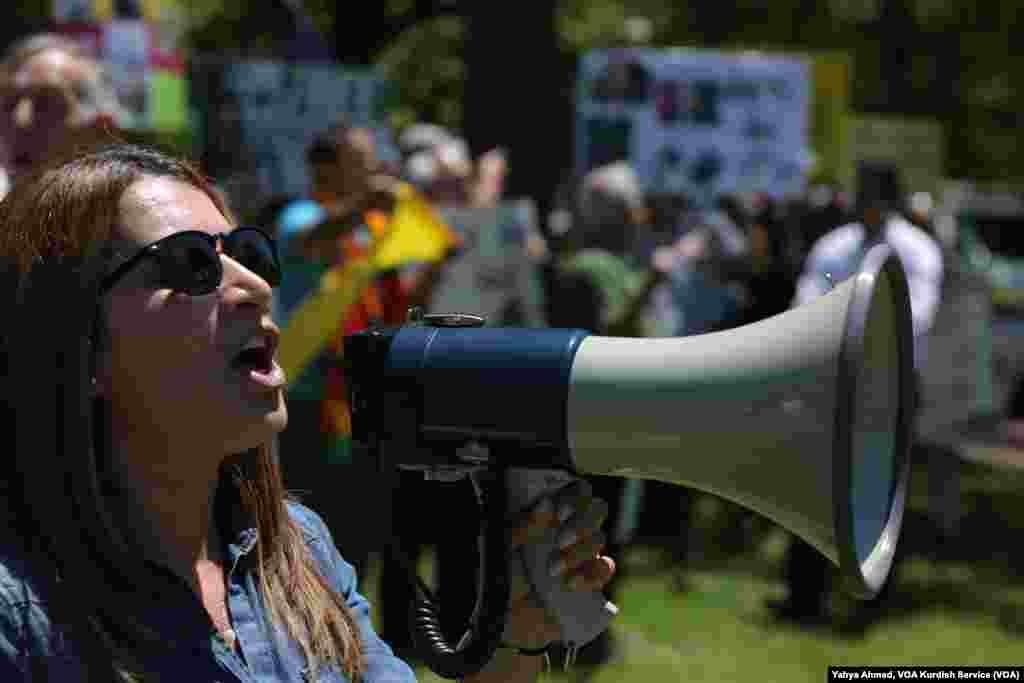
[613, 259]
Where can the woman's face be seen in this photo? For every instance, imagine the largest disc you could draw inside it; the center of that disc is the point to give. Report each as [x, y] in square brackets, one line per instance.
[168, 367]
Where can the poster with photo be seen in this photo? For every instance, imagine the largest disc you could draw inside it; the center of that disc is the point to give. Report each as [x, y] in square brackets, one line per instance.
[257, 118]
[139, 42]
[697, 122]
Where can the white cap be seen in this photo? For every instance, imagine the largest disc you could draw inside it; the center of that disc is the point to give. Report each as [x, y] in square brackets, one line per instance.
[421, 168]
[617, 180]
[454, 157]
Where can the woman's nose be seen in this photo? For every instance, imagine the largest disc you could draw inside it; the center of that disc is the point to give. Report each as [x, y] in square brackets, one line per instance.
[242, 285]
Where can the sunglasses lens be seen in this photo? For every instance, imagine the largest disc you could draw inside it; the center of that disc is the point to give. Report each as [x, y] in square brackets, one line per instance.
[191, 265]
[254, 250]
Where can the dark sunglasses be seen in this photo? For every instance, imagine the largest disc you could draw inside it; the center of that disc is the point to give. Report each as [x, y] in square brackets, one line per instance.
[190, 263]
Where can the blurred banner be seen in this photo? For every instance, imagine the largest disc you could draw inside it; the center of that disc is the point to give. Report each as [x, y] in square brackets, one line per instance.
[697, 122]
[494, 274]
[140, 43]
[107, 10]
[831, 113]
[916, 145]
[256, 118]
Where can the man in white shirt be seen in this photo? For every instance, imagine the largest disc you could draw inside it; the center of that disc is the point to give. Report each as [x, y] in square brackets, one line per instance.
[834, 258]
[837, 256]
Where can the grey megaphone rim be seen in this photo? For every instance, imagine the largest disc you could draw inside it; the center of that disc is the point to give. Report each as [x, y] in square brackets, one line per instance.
[865, 579]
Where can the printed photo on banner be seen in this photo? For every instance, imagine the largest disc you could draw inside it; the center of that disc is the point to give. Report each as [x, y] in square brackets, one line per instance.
[697, 122]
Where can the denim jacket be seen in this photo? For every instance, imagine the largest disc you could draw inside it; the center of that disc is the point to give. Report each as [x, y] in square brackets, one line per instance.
[32, 649]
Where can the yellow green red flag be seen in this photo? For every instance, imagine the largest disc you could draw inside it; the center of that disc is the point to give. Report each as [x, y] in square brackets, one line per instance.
[415, 232]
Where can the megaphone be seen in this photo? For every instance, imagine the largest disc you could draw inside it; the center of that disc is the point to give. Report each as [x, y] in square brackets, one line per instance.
[803, 417]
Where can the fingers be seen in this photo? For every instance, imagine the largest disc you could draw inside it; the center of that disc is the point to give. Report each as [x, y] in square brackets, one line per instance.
[531, 529]
[568, 562]
[576, 496]
[553, 512]
[585, 520]
[594, 574]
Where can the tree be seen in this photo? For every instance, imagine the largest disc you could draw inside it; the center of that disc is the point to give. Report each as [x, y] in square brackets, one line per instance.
[519, 94]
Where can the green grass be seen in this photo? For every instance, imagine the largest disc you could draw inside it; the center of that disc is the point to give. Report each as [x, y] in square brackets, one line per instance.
[718, 629]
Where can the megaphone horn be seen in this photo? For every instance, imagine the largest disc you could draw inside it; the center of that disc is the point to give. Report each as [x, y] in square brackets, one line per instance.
[803, 417]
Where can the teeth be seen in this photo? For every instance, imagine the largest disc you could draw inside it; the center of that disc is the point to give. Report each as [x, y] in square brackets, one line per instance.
[257, 343]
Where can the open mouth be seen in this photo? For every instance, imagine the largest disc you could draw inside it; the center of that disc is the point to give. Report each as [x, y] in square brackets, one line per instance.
[257, 356]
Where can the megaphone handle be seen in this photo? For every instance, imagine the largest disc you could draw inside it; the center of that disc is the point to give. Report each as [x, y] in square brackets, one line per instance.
[582, 616]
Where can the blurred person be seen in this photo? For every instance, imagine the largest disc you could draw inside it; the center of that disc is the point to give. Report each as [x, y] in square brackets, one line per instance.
[825, 206]
[421, 137]
[836, 257]
[833, 259]
[349, 206]
[53, 96]
[488, 185]
[453, 183]
[702, 292]
[148, 534]
[920, 206]
[610, 211]
[487, 190]
[313, 232]
[771, 283]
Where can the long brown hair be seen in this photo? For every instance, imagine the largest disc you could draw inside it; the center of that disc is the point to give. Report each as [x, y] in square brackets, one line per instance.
[54, 229]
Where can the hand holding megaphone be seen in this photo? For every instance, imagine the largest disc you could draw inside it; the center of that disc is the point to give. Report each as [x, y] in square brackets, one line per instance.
[556, 571]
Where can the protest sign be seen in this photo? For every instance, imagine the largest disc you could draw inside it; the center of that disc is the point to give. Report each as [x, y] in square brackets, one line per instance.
[258, 116]
[696, 122]
[494, 274]
[140, 45]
